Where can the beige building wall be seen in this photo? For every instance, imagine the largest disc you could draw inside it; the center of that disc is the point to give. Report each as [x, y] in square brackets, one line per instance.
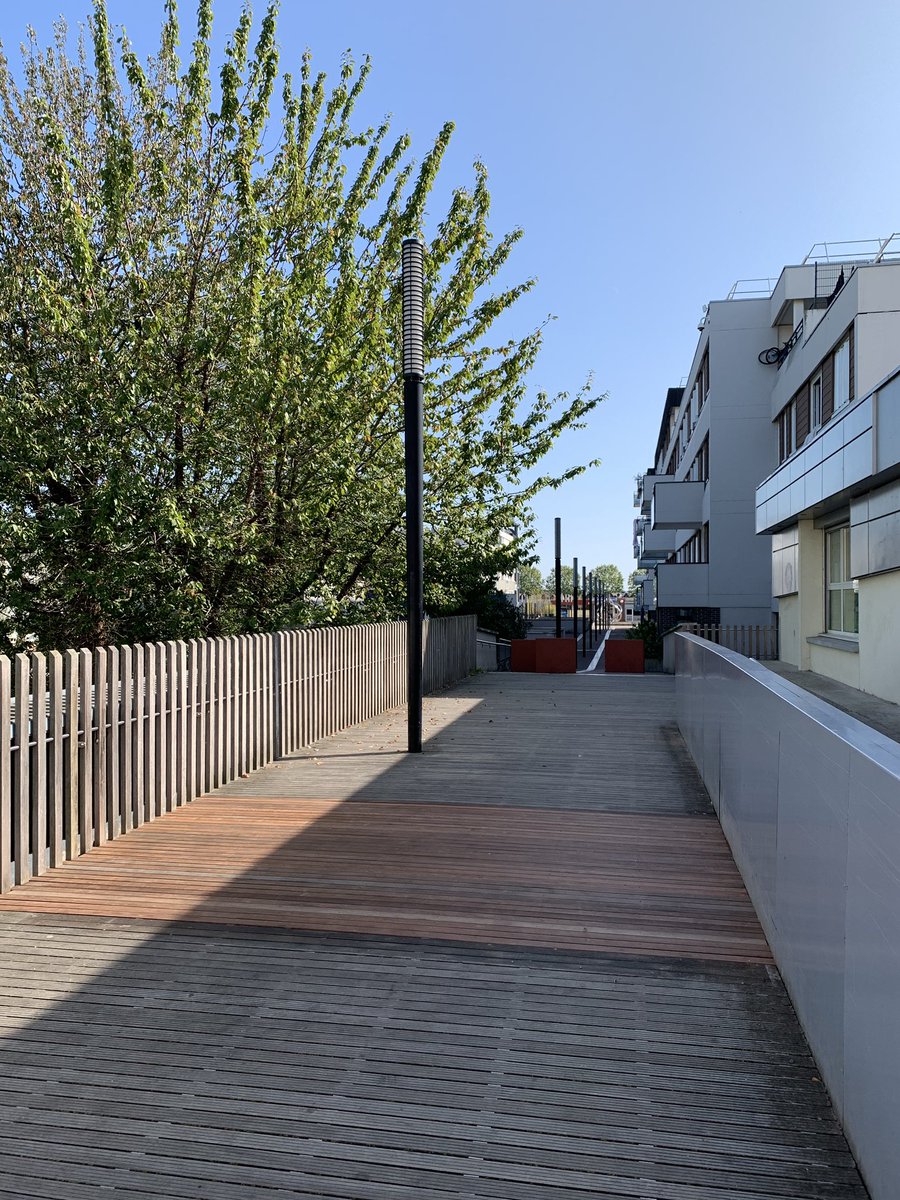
[879, 635]
[811, 589]
[789, 630]
[875, 667]
[836, 664]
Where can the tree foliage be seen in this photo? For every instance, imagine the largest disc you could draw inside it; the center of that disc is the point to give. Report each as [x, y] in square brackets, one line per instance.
[607, 574]
[530, 581]
[611, 578]
[199, 325]
[565, 576]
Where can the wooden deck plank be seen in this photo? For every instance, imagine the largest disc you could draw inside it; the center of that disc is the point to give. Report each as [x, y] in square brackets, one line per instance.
[196, 1060]
[521, 966]
[600, 881]
[597, 864]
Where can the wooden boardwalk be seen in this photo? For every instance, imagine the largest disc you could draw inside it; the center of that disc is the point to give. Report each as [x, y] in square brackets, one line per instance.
[521, 965]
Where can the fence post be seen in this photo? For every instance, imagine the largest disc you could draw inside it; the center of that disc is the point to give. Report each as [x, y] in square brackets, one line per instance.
[22, 766]
[6, 807]
[113, 799]
[39, 775]
[95, 742]
[138, 777]
[96, 748]
[56, 758]
[71, 785]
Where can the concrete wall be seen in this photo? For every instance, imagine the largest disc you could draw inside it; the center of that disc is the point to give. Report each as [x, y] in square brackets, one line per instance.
[809, 799]
[742, 450]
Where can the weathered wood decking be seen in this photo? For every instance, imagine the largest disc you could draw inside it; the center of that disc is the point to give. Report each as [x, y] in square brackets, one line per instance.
[521, 965]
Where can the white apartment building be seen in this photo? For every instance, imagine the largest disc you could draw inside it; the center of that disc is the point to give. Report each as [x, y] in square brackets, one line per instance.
[697, 529]
[832, 505]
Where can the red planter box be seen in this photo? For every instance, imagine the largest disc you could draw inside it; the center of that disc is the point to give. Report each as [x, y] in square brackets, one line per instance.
[521, 654]
[555, 656]
[624, 656]
[549, 656]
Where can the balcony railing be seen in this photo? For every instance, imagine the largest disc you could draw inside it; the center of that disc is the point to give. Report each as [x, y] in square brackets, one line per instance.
[677, 504]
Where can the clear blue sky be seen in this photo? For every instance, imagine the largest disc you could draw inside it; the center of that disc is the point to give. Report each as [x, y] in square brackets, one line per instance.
[652, 151]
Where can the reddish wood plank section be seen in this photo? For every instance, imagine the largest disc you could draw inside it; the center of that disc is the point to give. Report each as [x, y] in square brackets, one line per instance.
[590, 881]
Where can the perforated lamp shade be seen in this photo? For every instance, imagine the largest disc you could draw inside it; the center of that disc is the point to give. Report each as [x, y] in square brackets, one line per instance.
[413, 309]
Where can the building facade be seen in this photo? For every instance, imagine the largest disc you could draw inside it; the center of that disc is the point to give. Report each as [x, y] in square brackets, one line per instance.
[832, 505]
[696, 530]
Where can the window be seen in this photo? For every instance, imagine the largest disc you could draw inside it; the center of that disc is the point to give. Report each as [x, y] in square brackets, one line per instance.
[787, 432]
[703, 379]
[842, 373]
[815, 403]
[842, 598]
[699, 470]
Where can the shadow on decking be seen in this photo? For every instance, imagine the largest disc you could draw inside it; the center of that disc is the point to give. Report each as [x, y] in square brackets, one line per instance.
[198, 1060]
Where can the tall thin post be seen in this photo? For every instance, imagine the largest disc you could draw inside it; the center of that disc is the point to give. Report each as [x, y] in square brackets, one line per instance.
[558, 566]
[592, 613]
[575, 602]
[413, 377]
[584, 608]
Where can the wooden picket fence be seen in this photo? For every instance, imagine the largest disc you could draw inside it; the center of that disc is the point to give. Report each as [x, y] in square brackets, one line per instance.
[754, 641]
[94, 743]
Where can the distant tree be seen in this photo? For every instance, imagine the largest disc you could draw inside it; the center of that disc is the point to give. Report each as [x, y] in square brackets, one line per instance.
[566, 576]
[611, 578]
[530, 582]
[630, 585]
[199, 338]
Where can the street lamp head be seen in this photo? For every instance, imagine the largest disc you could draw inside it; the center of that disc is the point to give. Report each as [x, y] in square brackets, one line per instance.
[413, 308]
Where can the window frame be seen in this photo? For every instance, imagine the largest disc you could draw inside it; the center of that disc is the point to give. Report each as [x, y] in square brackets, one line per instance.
[842, 586]
[842, 346]
[815, 403]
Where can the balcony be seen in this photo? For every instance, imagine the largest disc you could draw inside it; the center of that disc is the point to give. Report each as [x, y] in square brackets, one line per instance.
[644, 492]
[677, 504]
[860, 441]
[682, 585]
[653, 546]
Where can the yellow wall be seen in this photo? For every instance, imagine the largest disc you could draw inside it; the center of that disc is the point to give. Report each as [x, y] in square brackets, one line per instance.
[836, 664]
[789, 630]
[879, 635]
[876, 668]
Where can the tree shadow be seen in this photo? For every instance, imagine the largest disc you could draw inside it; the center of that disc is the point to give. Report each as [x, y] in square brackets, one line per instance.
[144, 1058]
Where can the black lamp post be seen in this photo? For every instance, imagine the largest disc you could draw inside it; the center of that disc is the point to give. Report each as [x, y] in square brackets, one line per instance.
[413, 376]
[585, 609]
[558, 573]
[575, 602]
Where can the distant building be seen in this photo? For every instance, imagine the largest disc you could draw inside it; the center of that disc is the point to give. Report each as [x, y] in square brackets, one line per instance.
[696, 531]
[508, 584]
[643, 594]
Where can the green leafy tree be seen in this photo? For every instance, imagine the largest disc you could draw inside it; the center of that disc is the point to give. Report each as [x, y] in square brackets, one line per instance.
[199, 327]
[611, 578]
[530, 582]
[648, 632]
[565, 574]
